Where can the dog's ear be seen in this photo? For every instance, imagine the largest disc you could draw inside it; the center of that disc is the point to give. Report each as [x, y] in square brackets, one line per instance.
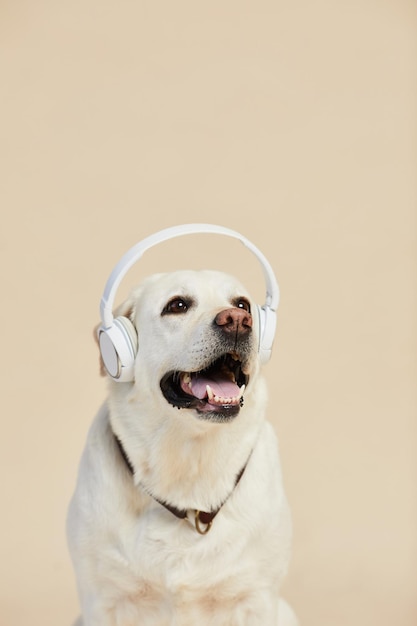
[126, 310]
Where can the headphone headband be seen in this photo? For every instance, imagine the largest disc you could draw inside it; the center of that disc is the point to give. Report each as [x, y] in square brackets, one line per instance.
[136, 252]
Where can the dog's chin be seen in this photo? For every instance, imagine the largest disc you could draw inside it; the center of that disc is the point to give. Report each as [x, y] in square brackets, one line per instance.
[226, 413]
[203, 410]
[213, 394]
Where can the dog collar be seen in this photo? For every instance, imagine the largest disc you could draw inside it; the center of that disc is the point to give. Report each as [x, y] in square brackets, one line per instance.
[203, 520]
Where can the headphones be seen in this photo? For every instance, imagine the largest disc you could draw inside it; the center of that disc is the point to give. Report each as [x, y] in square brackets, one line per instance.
[117, 337]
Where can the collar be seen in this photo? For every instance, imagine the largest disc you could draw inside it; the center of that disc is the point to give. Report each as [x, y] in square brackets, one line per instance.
[203, 520]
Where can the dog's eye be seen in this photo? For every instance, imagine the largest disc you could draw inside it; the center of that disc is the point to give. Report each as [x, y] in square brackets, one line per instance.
[242, 303]
[176, 305]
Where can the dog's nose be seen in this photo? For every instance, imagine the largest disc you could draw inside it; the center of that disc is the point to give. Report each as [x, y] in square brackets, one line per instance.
[235, 321]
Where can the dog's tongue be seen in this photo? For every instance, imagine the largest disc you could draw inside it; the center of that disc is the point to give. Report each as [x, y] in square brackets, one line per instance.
[221, 386]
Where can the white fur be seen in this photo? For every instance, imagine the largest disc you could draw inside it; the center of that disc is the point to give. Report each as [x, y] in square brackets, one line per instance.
[138, 564]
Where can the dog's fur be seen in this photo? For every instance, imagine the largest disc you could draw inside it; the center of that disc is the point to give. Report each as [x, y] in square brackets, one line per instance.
[138, 564]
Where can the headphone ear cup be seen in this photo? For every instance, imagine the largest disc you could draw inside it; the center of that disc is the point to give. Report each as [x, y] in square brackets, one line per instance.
[118, 348]
[131, 332]
[267, 325]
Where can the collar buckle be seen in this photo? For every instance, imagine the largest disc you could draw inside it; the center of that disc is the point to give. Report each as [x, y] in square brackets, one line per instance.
[203, 526]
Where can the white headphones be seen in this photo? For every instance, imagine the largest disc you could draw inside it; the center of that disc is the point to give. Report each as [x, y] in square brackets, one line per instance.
[118, 338]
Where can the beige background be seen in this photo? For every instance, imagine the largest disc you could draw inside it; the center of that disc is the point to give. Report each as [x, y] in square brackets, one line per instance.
[293, 122]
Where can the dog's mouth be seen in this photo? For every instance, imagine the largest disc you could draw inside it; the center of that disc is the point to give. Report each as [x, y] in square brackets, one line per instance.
[215, 392]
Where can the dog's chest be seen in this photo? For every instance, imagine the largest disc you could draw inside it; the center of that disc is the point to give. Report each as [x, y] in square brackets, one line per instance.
[162, 566]
[156, 546]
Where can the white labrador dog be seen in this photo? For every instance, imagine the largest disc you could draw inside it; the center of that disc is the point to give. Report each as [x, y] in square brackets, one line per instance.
[179, 516]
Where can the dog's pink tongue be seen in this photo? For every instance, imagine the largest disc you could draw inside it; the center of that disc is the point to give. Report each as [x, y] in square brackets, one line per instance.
[222, 387]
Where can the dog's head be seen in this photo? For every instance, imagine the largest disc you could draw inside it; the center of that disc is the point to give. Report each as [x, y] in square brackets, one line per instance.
[198, 336]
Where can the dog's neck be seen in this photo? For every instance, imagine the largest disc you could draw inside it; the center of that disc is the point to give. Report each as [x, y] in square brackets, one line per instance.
[203, 520]
[184, 460]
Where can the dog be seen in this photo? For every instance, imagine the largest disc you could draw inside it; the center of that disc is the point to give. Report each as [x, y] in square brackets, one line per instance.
[179, 516]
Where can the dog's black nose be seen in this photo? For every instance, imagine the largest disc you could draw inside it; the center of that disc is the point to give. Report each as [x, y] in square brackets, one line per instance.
[235, 321]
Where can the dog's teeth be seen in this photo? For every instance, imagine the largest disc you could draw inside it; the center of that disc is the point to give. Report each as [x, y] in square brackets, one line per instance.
[187, 379]
[241, 392]
[221, 399]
